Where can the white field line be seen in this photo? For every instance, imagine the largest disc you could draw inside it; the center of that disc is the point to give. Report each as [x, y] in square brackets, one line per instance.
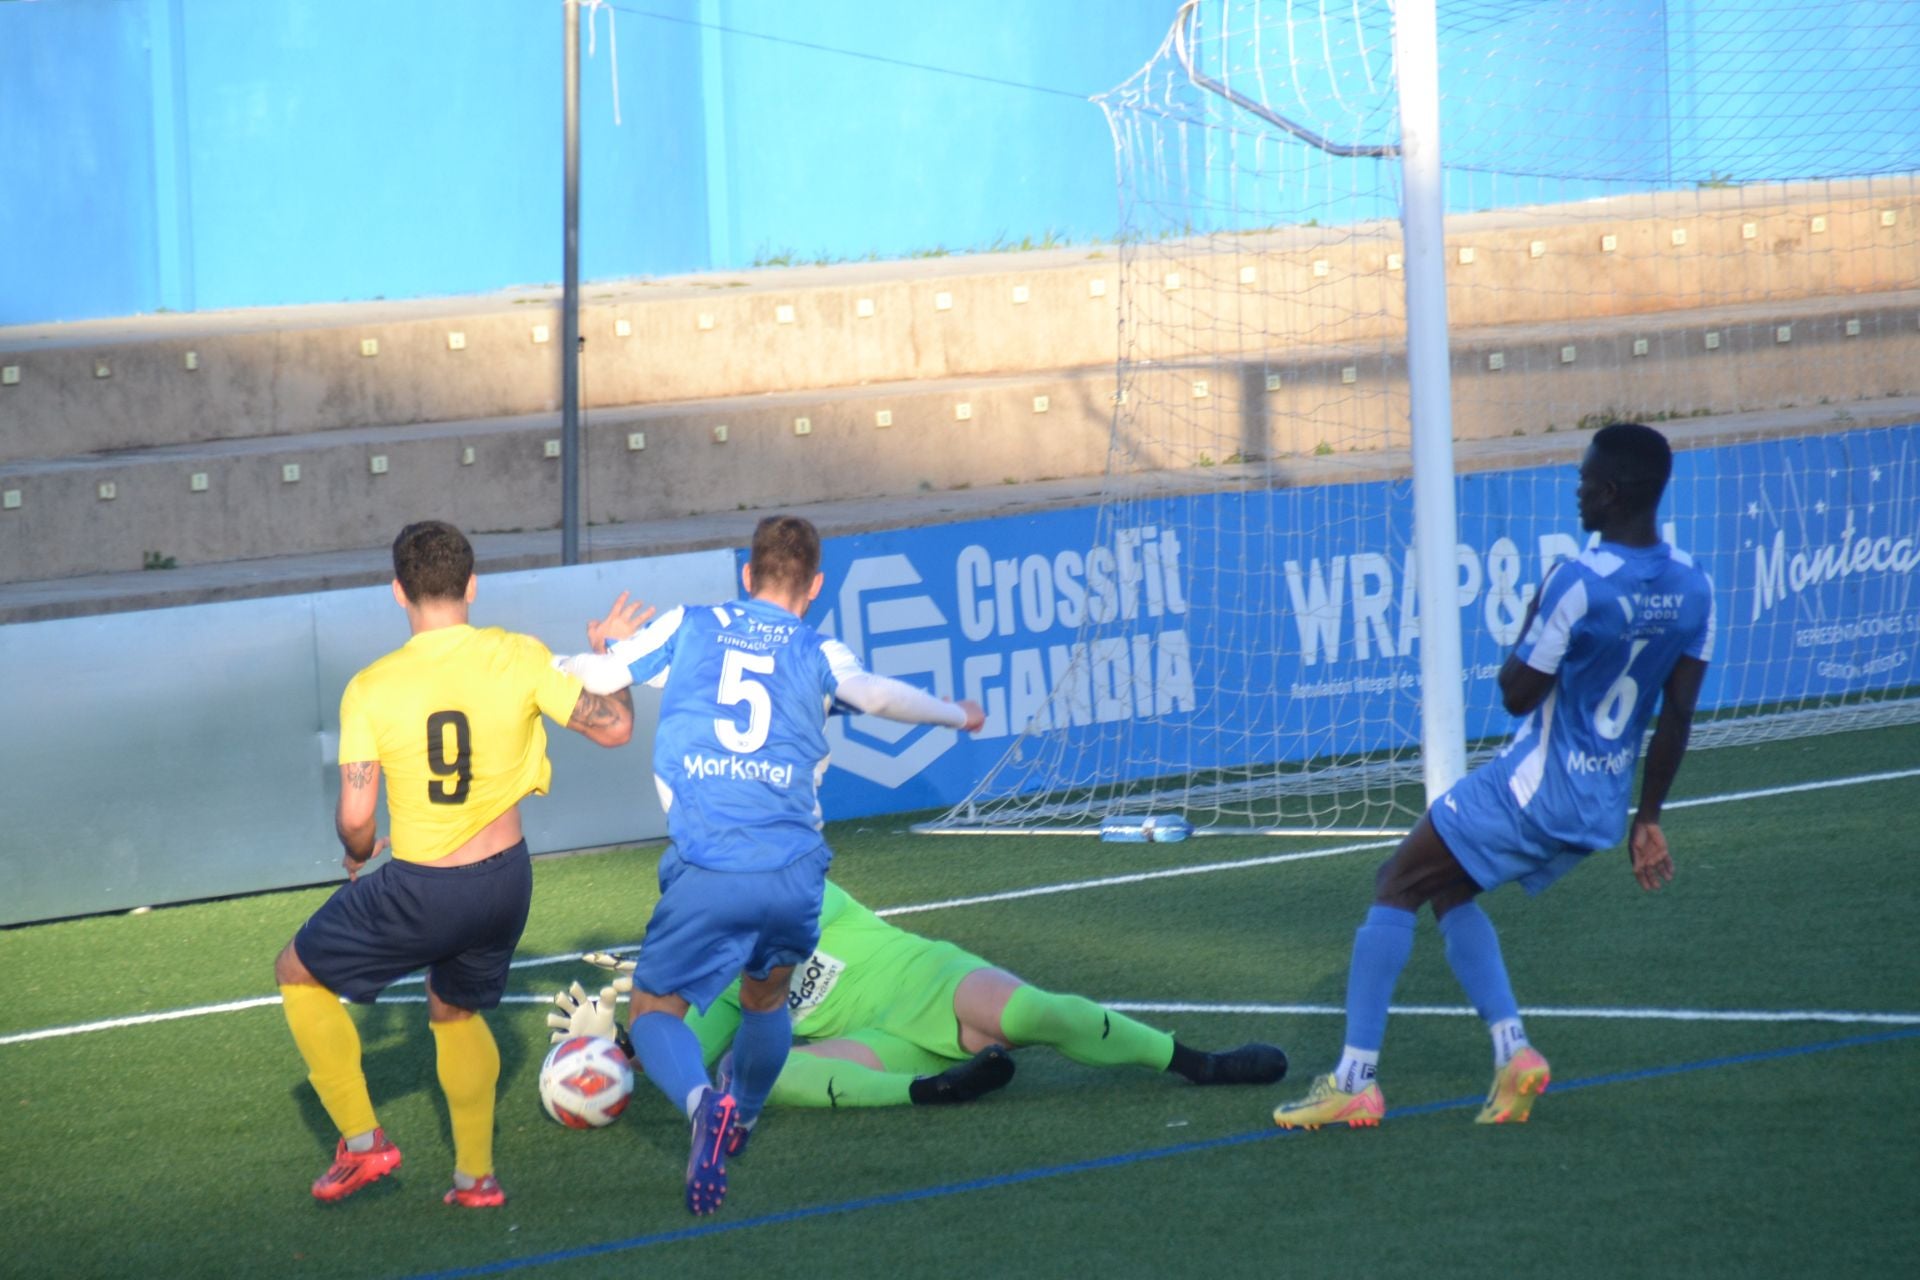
[1544, 1011]
[1077, 886]
[140, 1019]
[1038, 891]
[135, 1020]
[1826, 785]
[1838, 1016]
[1136, 878]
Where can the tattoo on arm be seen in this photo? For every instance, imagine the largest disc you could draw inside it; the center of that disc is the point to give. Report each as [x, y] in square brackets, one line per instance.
[600, 711]
[362, 774]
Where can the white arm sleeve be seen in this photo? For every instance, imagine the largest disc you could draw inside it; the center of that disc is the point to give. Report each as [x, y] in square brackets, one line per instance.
[601, 673]
[898, 700]
[642, 656]
[648, 652]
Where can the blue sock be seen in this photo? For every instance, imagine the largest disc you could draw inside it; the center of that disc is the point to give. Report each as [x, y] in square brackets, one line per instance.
[1473, 949]
[759, 1051]
[669, 1053]
[1380, 950]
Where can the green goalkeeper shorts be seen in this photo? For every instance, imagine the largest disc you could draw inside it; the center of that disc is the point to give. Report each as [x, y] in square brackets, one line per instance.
[916, 1003]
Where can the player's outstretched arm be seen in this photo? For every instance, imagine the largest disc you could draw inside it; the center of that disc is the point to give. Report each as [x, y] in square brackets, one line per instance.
[603, 718]
[628, 650]
[623, 621]
[1647, 844]
[897, 700]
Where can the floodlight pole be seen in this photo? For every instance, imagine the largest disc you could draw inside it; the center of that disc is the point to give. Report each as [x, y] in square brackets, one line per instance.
[1416, 58]
[570, 302]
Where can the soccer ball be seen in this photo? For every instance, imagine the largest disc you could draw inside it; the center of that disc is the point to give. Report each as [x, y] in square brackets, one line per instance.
[585, 1082]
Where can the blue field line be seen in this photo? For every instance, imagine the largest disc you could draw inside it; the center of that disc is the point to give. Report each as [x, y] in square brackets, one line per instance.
[1122, 1159]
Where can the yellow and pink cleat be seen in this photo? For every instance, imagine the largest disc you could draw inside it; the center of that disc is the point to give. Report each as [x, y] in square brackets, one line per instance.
[1515, 1086]
[1327, 1103]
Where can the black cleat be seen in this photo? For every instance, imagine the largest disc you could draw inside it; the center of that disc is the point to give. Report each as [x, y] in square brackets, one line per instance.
[985, 1071]
[1249, 1064]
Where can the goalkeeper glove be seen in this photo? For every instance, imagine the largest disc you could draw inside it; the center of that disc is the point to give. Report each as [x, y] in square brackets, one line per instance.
[623, 969]
[580, 1014]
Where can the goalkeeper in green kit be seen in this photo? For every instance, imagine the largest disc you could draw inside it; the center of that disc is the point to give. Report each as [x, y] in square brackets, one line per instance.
[883, 1017]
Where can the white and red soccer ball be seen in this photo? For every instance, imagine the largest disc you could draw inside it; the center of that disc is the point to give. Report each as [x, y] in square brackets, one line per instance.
[585, 1082]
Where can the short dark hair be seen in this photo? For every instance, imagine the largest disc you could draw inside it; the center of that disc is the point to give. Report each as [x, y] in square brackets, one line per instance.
[1638, 460]
[786, 553]
[433, 561]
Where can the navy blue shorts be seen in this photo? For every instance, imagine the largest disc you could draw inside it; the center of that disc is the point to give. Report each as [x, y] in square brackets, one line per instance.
[460, 924]
[711, 926]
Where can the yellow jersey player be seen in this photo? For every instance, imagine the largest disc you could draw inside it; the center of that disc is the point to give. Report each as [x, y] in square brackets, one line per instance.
[451, 719]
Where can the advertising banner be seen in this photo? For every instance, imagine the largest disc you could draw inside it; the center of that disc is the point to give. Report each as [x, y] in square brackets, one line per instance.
[1195, 632]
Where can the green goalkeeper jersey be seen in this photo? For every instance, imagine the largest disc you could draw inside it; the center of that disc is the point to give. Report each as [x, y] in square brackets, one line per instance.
[864, 974]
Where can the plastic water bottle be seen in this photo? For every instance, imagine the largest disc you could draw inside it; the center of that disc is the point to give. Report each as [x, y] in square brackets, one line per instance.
[1149, 830]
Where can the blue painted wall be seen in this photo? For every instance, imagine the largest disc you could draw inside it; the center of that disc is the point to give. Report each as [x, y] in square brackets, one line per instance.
[200, 154]
[1542, 102]
[196, 154]
[828, 155]
[1747, 108]
[367, 148]
[77, 225]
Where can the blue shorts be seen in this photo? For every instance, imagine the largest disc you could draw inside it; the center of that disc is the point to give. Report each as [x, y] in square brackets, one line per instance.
[1487, 834]
[460, 924]
[712, 926]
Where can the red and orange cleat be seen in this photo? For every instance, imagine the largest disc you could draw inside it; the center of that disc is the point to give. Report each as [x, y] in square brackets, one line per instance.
[352, 1170]
[484, 1194]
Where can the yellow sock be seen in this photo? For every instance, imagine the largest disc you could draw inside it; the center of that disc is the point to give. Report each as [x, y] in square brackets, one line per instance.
[327, 1040]
[469, 1064]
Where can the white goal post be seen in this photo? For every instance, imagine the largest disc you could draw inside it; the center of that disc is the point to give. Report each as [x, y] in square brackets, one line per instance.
[1695, 213]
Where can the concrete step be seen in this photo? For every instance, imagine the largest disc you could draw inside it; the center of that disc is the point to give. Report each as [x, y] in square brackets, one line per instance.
[118, 592]
[160, 380]
[339, 490]
[87, 595]
[320, 492]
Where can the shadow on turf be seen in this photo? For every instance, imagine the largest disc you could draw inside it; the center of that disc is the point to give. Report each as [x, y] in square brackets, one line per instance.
[398, 1060]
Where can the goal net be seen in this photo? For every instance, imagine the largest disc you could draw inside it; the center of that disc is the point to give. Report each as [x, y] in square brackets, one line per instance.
[1700, 214]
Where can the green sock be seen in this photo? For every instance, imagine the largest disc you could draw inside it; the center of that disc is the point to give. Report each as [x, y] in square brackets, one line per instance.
[1083, 1030]
[809, 1080]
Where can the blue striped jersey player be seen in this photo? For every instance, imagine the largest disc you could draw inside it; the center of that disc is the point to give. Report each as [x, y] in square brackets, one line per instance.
[1609, 627]
[738, 757]
[1625, 626]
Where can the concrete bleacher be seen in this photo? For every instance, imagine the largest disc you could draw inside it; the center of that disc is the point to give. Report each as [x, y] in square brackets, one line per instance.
[277, 450]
